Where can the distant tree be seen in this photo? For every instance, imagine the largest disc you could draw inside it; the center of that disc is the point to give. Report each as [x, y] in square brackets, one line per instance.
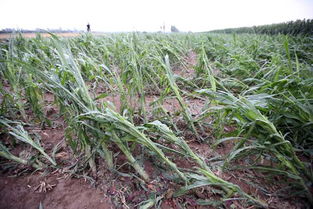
[174, 29]
[298, 27]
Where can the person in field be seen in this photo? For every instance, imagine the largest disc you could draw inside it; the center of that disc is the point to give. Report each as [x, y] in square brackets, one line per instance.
[88, 27]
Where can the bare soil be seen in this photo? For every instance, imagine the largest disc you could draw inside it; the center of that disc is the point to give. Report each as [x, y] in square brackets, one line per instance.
[51, 191]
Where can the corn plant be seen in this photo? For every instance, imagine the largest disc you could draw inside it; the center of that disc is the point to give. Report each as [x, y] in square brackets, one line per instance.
[267, 137]
[175, 89]
[20, 134]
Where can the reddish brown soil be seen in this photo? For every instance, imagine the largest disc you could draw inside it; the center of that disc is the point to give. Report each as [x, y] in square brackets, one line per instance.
[187, 71]
[24, 192]
[170, 104]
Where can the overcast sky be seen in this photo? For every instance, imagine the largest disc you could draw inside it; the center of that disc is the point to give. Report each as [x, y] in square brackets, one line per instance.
[149, 15]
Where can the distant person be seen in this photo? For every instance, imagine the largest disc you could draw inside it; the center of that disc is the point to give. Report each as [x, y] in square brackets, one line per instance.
[88, 27]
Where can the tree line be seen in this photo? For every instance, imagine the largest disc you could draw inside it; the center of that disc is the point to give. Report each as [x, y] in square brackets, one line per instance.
[298, 27]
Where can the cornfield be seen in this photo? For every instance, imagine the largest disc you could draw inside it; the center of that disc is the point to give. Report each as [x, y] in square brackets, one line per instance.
[254, 99]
